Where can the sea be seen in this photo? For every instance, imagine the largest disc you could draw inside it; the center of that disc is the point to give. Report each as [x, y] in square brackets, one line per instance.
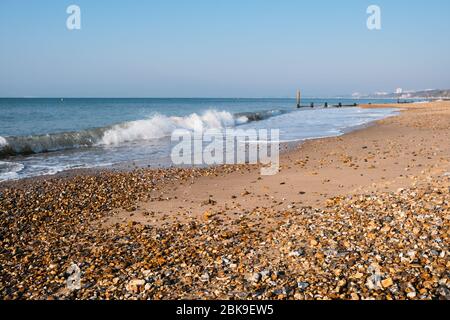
[44, 136]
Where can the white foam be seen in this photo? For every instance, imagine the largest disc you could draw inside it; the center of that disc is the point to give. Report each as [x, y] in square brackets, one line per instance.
[160, 126]
[3, 142]
[10, 170]
[425, 101]
[242, 120]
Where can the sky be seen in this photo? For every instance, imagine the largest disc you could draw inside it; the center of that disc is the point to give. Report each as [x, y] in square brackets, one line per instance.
[221, 48]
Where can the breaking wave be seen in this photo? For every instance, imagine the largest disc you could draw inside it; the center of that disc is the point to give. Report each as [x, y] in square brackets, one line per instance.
[155, 127]
[25, 145]
[261, 115]
[160, 126]
[3, 141]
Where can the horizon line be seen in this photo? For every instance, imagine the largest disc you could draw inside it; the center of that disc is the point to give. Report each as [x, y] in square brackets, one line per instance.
[305, 97]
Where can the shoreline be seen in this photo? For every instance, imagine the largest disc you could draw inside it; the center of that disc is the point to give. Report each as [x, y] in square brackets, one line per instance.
[130, 165]
[344, 219]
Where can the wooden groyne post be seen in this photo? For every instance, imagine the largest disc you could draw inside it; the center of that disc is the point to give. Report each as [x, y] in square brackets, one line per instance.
[299, 96]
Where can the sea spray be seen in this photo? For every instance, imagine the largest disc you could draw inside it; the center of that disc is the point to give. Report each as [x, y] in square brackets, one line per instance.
[160, 126]
[156, 127]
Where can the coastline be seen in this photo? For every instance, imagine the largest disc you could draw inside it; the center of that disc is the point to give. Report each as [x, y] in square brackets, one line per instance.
[65, 151]
[275, 237]
[131, 165]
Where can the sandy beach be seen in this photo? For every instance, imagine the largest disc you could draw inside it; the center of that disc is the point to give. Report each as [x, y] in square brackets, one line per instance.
[362, 216]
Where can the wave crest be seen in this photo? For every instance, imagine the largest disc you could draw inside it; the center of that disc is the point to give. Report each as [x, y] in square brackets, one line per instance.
[3, 141]
[160, 126]
[156, 127]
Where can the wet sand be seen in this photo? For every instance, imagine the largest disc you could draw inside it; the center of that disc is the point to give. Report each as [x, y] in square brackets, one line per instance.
[361, 216]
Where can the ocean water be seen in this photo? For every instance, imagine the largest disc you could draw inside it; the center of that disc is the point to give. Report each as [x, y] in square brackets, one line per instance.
[46, 136]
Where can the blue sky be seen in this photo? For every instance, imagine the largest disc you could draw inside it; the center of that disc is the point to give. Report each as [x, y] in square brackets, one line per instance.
[221, 48]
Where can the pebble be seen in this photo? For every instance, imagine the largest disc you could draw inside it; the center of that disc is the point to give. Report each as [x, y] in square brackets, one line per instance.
[386, 283]
[47, 225]
[255, 277]
[135, 285]
[297, 253]
[205, 277]
[302, 286]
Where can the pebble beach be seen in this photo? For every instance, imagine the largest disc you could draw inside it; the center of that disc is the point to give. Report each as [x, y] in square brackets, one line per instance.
[361, 216]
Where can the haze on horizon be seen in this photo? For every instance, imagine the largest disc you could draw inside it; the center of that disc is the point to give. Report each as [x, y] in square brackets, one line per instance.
[200, 48]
